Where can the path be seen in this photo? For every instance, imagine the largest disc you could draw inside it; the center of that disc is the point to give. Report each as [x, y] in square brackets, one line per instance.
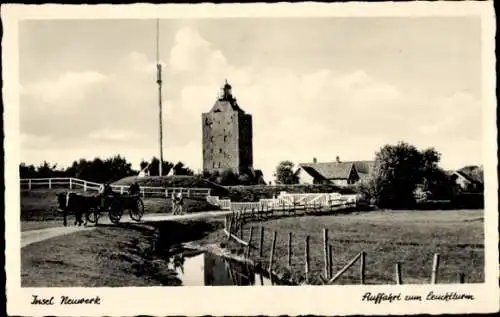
[32, 236]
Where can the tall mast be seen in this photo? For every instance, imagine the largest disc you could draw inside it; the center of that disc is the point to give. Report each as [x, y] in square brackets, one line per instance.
[159, 82]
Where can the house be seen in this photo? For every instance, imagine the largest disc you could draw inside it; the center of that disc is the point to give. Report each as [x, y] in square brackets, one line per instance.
[145, 171]
[468, 182]
[339, 173]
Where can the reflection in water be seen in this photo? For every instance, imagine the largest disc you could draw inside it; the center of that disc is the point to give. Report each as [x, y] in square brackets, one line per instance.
[207, 269]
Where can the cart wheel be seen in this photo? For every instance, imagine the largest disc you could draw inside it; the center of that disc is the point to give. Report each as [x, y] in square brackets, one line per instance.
[137, 210]
[115, 211]
[92, 215]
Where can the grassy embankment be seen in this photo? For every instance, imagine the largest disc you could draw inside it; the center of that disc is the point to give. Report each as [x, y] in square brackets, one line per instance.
[108, 256]
[256, 192]
[409, 237]
[175, 181]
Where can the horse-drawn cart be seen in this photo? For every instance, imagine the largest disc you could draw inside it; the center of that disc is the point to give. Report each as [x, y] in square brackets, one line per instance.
[115, 205]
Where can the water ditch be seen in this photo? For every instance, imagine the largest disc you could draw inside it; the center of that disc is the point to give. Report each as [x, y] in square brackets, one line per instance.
[198, 261]
[203, 268]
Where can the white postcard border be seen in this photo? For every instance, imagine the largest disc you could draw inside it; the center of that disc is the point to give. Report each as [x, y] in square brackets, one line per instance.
[341, 300]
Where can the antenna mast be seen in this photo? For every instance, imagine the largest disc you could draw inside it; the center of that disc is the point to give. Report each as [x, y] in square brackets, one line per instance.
[159, 82]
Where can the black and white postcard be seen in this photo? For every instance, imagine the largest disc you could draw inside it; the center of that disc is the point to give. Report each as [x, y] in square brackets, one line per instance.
[247, 159]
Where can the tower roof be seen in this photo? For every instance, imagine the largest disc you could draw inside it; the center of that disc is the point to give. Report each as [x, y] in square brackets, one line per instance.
[227, 96]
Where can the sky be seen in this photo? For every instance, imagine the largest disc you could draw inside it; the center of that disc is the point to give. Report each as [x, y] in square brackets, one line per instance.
[316, 87]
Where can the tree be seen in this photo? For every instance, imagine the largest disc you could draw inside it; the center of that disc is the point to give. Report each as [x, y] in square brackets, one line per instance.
[397, 171]
[366, 188]
[228, 178]
[181, 169]
[403, 174]
[244, 179]
[155, 164]
[98, 170]
[27, 171]
[143, 164]
[285, 174]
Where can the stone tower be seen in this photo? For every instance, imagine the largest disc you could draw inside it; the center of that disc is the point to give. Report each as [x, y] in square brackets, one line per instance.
[227, 135]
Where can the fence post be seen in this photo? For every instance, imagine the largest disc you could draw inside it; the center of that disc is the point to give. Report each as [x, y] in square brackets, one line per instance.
[29, 184]
[250, 241]
[261, 241]
[462, 278]
[325, 250]
[290, 251]
[271, 257]
[142, 192]
[435, 267]
[306, 251]
[362, 268]
[50, 183]
[121, 190]
[398, 273]
[330, 260]
[70, 183]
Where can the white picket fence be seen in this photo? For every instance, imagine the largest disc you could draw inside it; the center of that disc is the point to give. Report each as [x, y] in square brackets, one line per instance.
[87, 186]
[287, 201]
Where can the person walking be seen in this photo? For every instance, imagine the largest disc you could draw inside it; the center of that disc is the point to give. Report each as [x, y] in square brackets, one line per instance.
[174, 205]
[180, 202]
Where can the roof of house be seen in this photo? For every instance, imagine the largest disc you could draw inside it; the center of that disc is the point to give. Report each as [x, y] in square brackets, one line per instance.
[332, 170]
[364, 167]
[470, 176]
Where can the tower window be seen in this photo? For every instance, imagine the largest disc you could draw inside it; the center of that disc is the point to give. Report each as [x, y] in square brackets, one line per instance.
[219, 164]
[220, 150]
[225, 138]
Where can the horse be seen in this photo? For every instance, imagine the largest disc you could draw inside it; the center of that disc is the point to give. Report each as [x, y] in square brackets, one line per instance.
[79, 204]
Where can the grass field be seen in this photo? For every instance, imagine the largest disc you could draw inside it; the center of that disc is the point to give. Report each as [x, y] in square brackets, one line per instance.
[408, 237]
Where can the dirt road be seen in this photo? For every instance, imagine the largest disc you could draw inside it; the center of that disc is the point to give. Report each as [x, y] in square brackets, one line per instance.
[33, 236]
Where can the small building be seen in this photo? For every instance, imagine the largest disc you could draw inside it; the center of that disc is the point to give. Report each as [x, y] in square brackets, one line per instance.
[338, 173]
[467, 182]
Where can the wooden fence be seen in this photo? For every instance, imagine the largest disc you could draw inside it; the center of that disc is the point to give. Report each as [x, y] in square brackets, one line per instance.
[87, 186]
[233, 228]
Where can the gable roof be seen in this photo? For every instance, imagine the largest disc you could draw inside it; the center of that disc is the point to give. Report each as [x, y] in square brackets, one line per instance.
[473, 173]
[332, 170]
[469, 177]
[364, 167]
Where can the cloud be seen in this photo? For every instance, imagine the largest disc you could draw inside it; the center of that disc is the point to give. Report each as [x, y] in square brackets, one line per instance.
[192, 53]
[115, 135]
[296, 115]
[67, 89]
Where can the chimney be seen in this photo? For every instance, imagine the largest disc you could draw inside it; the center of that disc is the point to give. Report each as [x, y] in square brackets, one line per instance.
[338, 159]
[315, 160]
